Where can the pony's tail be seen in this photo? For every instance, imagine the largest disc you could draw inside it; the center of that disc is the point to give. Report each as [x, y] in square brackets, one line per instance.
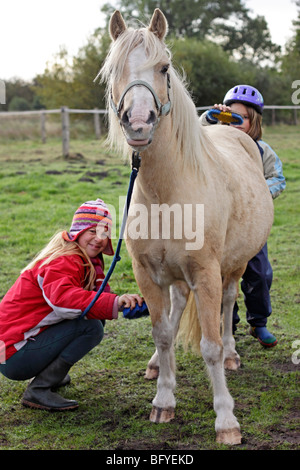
[189, 332]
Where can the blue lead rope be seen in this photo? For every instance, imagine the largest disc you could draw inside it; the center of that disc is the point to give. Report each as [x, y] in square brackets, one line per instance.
[136, 161]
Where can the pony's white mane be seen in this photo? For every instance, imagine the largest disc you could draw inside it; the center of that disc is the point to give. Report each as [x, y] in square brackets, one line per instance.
[185, 123]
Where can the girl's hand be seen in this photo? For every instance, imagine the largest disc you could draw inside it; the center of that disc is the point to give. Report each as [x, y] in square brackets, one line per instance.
[223, 108]
[129, 300]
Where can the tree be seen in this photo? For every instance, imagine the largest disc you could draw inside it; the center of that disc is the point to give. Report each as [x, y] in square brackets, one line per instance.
[22, 94]
[186, 19]
[18, 104]
[54, 86]
[211, 68]
[210, 71]
[70, 82]
[227, 22]
[249, 39]
[297, 28]
[290, 67]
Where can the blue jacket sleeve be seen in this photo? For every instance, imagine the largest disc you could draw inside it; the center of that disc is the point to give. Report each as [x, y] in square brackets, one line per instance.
[272, 170]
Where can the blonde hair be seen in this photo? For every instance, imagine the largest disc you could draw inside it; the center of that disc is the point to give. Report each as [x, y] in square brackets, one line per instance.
[255, 131]
[57, 247]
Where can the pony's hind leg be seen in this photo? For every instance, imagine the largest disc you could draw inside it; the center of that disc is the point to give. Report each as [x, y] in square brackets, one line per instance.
[230, 292]
[231, 357]
[179, 295]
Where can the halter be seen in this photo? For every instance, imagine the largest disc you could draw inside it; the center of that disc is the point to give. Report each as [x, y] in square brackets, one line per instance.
[163, 109]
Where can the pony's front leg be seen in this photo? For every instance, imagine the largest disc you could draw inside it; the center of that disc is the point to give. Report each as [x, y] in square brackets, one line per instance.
[158, 302]
[164, 401]
[179, 296]
[208, 296]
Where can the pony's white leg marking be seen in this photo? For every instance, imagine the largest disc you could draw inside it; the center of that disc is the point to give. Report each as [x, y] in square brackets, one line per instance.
[164, 401]
[227, 426]
[152, 370]
[179, 296]
[158, 300]
[231, 357]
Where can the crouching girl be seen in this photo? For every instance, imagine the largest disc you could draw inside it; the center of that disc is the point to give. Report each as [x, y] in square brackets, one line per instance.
[42, 331]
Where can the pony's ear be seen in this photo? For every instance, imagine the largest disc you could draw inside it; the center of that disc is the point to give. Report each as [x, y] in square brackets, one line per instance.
[117, 25]
[158, 24]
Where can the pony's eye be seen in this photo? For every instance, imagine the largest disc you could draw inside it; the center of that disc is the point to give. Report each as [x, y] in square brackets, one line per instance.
[164, 69]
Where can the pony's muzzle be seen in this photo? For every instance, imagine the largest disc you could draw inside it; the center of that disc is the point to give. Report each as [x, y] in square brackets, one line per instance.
[138, 126]
[133, 120]
[138, 117]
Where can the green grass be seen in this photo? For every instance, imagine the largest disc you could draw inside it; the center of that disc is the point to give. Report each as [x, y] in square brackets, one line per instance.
[39, 191]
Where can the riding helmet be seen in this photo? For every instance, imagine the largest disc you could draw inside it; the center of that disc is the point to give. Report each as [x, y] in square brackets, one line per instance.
[247, 95]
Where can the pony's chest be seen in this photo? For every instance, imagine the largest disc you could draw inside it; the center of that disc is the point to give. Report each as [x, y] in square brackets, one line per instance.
[162, 265]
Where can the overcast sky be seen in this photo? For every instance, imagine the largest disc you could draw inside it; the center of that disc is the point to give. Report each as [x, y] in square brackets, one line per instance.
[32, 31]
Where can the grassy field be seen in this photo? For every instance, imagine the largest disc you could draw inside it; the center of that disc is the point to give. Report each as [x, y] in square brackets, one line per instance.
[39, 191]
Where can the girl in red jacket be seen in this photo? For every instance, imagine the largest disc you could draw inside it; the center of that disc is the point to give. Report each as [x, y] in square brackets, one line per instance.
[41, 332]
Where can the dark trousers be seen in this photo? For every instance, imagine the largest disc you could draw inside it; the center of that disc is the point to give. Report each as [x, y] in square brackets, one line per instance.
[69, 339]
[255, 285]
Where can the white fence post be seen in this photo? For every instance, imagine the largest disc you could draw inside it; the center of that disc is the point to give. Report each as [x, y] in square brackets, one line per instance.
[43, 127]
[65, 121]
[97, 124]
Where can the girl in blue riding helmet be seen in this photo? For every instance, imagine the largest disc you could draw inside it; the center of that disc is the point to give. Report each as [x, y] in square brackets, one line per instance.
[257, 279]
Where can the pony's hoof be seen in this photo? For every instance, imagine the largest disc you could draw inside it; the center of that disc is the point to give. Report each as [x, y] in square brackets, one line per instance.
[232, 363]
[229, 437]
[162, 415]
[151, 373]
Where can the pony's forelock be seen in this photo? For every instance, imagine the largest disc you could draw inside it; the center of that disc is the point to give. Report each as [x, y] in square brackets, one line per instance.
[114, 65]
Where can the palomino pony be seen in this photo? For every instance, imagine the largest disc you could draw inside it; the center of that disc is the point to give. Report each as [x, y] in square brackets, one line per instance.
[184, 166]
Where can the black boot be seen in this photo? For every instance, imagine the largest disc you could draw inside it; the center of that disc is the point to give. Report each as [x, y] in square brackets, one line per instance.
[38, 393]
[65, 381]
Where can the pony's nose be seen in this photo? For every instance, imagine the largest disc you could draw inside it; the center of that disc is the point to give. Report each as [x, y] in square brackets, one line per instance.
[152, 118]
[125, 118]
[138, 121]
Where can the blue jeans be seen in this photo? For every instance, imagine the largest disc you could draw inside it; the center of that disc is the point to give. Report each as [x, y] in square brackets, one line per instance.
[256, 284]
[69, 339]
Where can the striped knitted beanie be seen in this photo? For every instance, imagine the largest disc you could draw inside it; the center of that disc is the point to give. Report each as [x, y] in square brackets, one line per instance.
[91, 214]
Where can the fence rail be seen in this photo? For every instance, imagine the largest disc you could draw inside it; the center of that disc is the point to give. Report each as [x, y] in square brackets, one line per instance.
[64, 111]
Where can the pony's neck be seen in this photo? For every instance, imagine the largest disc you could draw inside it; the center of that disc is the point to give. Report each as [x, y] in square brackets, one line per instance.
[161, 165]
